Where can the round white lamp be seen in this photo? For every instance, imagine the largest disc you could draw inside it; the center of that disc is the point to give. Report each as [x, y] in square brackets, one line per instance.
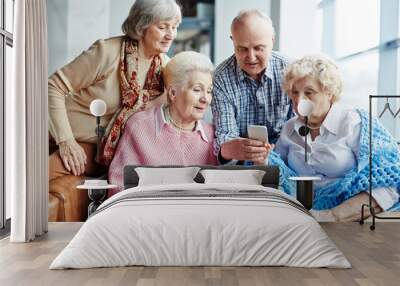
[305, 107]
[98, 107]
[304, 185]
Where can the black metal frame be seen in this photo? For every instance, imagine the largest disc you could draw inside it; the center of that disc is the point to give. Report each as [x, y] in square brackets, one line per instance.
[369, 205]
[96, 197]
[5, 231]
[2, 93]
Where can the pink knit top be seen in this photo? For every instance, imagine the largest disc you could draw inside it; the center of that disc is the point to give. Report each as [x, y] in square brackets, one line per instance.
[149, 140]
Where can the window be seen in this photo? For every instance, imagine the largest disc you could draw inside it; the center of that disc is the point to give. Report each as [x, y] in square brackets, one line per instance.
[356, 25]
[360, 78]
[356, 50]
[318, 30]
[8, 70]
[363, 38]
[9, 15]
[6, 44]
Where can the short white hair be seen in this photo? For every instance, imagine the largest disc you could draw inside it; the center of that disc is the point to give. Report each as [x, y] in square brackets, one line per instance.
[319, 67]
[243, 14]
[143, 13]
[178, 69]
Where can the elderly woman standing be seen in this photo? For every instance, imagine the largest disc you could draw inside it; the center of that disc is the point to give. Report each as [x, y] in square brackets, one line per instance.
[173, 133]
[334, 140]
[123, 71]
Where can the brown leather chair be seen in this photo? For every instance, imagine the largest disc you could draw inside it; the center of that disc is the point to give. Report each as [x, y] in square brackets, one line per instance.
[65, 203]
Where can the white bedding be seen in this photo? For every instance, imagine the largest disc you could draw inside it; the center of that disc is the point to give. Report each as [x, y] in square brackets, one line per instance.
[189, 230]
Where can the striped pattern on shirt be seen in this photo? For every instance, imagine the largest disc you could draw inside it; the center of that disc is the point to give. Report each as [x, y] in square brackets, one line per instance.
[239, 101]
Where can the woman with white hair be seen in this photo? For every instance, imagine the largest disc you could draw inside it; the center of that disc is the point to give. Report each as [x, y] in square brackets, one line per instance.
[336, 148]
[172, 134]
[123, 71]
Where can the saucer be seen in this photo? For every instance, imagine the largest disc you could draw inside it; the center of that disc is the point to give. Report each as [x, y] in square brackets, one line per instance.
[94, 187]
[305, 178]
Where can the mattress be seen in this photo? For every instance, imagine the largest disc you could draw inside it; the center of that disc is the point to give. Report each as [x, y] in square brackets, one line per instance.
[201, 225]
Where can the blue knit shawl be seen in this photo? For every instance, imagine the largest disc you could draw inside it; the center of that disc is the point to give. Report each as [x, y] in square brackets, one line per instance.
[385, 169]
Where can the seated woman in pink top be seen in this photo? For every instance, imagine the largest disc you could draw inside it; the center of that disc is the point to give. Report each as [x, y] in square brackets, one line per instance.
[171, 134]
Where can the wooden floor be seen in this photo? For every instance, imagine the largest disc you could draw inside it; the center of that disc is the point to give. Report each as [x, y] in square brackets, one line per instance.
[374, 255]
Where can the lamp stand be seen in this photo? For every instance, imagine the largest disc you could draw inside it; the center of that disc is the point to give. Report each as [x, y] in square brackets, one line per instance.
[305, 138]
[100, 130]
[305, 193]
[305, 190]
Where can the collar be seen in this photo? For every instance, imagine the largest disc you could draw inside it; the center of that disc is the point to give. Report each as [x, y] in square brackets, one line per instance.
[267, 74]
[331, 123]
[161, 123]
[333, 119]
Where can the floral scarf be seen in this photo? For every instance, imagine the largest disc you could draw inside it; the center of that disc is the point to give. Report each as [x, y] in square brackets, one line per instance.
[133, 97]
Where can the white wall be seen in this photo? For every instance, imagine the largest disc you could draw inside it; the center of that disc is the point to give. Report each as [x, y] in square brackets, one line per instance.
[298, 28]
[57, 30]
[74, 25]
[225, 11]
[87, 21]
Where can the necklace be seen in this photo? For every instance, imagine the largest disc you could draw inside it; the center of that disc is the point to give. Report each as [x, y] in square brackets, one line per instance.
[169, 118]
[313, 128]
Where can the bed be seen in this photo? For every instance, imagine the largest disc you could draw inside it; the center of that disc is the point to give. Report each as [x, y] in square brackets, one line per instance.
[201, 223]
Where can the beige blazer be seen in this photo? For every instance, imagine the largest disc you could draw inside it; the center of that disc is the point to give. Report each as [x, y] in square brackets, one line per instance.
[91, 75]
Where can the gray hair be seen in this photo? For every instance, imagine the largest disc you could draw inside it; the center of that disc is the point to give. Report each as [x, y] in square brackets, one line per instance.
[177, 71]
[145, 12]
[243, 14]
[319, 67]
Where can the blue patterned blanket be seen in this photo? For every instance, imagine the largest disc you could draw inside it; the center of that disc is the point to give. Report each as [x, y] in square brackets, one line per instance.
[385, 168]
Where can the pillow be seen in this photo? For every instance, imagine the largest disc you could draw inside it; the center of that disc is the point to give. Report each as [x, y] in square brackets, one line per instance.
[166, 176]
[249, 177]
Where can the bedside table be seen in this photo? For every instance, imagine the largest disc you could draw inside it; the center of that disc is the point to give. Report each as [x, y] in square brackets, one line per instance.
[96, 194]
[305, 190]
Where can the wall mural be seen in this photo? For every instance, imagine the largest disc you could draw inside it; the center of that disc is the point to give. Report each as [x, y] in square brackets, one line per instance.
[148, 94]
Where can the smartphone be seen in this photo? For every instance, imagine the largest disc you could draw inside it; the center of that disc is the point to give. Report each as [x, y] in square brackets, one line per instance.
[258, 132]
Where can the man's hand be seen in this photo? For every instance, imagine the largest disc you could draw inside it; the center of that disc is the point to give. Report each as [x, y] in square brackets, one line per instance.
[73, 156]
[246, 149]
[263, 161]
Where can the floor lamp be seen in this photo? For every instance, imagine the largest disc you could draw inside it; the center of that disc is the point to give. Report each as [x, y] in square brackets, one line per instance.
[304, 184]
[98, 108]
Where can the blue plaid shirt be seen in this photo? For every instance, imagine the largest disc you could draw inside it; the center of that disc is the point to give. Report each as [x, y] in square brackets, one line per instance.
[239, 101]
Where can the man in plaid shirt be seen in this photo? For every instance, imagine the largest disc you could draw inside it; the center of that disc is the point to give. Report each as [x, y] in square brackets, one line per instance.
[248, 91]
